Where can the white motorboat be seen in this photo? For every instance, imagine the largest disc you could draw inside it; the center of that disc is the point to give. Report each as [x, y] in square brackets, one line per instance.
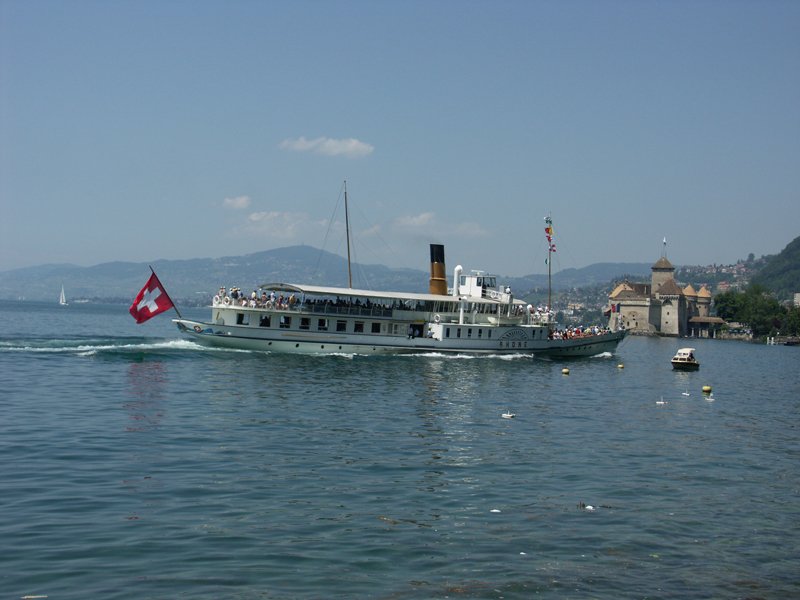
[685, 360]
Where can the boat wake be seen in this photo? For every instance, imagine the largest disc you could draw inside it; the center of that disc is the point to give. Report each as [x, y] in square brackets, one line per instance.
[97, 346]
[460, 356]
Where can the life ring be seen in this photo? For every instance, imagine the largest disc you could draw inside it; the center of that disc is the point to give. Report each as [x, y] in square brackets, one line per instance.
[494, 295]
[436, 319]
[198, 329]
[216, 299]
[227, 301]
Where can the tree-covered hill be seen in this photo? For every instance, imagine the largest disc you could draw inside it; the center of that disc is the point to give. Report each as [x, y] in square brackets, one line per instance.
[781, 274]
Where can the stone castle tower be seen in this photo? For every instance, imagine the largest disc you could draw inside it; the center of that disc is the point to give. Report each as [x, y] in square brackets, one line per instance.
[662, 272]
[667, 303]
[661, 307]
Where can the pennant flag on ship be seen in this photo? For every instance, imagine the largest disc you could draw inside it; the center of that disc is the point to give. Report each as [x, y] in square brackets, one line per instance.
[548, 233]
[151, 300]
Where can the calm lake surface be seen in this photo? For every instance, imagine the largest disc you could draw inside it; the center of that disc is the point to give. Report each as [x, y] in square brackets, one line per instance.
[138, 465]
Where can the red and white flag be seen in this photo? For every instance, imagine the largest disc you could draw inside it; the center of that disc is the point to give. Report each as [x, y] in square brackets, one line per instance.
[150, 301]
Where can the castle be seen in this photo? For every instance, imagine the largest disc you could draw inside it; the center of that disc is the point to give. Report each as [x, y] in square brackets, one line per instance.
[662, 307]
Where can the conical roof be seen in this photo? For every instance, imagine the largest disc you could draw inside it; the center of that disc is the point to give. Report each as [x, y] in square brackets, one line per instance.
[670, 288]
[689, 291]
[622, 287]
[662, 263]
[704, 293]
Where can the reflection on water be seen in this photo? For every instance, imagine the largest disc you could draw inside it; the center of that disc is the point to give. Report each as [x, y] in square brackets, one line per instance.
[146, 387]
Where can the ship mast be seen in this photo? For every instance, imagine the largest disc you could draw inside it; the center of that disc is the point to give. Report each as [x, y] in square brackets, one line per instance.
[347, 230]
[551, 247]
[549, 284]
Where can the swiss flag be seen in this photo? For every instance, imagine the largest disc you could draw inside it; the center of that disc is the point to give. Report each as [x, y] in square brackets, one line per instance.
[150, 301]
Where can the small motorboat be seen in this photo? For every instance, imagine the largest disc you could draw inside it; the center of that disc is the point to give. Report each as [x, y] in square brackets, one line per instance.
[684, 360]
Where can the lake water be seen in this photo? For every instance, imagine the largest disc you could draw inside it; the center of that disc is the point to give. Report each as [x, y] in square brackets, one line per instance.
[138, 465]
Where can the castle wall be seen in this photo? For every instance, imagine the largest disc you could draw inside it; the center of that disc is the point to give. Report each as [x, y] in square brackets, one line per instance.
[673, 317]
[655, 315]
[659, 277]
[633, 316]
[703, 305]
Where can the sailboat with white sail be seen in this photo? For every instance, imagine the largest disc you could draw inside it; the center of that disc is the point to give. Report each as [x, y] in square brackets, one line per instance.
[62, 298]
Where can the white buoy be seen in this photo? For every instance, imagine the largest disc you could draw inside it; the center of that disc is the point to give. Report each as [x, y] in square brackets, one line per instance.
[565, 371]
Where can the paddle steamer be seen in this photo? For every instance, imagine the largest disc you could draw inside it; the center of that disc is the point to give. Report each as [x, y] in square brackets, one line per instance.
[474, 316]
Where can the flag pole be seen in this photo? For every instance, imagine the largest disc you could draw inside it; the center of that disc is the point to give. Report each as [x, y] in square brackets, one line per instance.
[175, 306]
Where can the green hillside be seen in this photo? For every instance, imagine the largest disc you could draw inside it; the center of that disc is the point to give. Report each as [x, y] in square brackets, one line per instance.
[781, 274]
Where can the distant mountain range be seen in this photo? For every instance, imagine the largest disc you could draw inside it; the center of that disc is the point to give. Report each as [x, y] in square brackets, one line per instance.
[193, 281]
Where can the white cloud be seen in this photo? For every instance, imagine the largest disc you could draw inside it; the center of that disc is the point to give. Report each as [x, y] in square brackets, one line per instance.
[237, 203]
[349, 147]
[468, 229]
[373, 231]
[420, 220]
[426, 226]
[287, 226]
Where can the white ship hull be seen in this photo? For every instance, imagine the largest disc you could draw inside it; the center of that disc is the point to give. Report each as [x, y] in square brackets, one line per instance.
[475, 316]
[391, 336]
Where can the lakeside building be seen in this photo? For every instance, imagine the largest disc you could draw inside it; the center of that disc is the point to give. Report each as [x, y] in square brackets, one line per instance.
[662, 307]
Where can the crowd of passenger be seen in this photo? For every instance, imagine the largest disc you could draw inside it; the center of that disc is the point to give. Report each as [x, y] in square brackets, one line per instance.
[256, 299]
[262, 299]
[235, 296]
[578, 332]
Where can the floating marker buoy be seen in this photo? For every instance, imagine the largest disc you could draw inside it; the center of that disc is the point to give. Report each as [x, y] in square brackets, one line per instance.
[706, 389]
[565, 371]
[620, 366]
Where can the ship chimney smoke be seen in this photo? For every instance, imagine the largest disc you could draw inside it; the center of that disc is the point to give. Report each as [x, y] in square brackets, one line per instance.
[438, 282]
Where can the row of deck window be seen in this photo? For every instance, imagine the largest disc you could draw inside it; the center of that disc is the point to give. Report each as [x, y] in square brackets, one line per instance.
[469, 332]
[285, 322]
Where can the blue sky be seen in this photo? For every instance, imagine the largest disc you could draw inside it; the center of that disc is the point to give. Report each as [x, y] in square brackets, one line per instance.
[137, 131]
